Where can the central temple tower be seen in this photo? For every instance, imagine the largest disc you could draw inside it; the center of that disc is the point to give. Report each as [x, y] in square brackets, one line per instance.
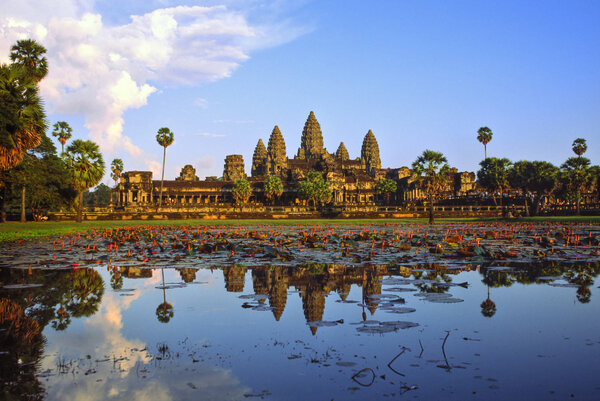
[311, 143]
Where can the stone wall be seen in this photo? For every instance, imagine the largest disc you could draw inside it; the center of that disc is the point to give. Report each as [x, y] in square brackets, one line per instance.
[289, 212]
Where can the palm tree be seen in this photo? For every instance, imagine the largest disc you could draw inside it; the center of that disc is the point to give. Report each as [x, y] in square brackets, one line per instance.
[484, 135]
[579, 146]
[494, 176]
[86, 165]
[241, 192]
[431, 169]
[63, 131]
[577, 176]
[30, 54]
[273, 188]
[165, 138]
[23, 120]
[386, 187]
[116, 168]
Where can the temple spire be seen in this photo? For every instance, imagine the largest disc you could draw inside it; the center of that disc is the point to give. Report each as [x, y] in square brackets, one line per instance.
[259, 159]
[311, 143]
[342, 152]
[369, 153]
[276, 154]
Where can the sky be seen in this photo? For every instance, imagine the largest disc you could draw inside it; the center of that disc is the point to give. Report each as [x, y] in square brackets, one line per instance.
[221, 74]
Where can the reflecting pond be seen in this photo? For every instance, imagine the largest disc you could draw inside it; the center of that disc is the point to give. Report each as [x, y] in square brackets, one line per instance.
[190, 321]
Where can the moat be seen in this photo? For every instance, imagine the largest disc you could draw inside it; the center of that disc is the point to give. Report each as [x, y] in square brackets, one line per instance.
[462, 311]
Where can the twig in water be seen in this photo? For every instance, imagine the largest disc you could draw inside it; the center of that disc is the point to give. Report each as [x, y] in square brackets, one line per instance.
[354, 376]
[392, 361]
[421, 348]
[447, 365]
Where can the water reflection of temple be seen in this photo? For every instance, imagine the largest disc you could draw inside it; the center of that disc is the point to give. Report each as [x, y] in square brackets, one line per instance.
[313, 283]
[187, 274]
[135, 272]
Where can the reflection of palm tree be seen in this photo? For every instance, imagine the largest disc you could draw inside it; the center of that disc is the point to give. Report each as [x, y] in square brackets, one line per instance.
[584, 294]
[62, 319]
[116, 279]
[88, 288]
[164, 311]
[488, 307]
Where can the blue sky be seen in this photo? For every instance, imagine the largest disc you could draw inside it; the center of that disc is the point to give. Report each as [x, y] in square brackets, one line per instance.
[420, 74]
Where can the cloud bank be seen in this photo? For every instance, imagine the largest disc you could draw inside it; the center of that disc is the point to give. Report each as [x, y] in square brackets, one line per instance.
[100, 70]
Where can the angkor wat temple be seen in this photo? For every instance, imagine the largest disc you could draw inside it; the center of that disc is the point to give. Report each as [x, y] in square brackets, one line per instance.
[352, 181]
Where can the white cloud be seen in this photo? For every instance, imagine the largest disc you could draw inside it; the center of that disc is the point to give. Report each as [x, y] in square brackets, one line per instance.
[233, 121]
[100, 70]
[202, 103]
[210, 135]
[206, 166]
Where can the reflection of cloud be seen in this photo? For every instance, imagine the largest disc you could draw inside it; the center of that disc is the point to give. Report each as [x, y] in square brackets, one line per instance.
[172, 383]
[139, 376]
[102, 333]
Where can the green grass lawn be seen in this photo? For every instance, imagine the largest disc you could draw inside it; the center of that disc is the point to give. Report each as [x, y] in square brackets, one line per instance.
[15, 231]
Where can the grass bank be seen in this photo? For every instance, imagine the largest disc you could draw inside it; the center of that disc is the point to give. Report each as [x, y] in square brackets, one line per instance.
[15, 231]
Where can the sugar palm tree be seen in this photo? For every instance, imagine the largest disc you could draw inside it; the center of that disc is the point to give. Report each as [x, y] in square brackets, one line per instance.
[273, 188]
[30, 54]
[576, 174]
[23, 120]
[431, 170]
[165, 138]
[484, 135]
[116, 168]
[63, 131]
[86, 165]
[579, 146]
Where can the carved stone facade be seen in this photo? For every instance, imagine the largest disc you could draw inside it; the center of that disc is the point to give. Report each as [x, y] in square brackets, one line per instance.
[188, 173]
[234, 168]
[353, 181]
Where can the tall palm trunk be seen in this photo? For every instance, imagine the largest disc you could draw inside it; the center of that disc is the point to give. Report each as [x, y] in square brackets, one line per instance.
[23, 218]
[80, 207]
[162, 178]
[430, 209]
[577, 202]
[502, 203]
[485, 151]
[3, 203]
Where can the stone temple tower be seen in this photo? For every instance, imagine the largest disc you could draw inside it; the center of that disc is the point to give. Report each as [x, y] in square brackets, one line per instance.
[234, 168]
[276, 154]
[311, 143]
[369, 154]
[342, 152]
[259, 159]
